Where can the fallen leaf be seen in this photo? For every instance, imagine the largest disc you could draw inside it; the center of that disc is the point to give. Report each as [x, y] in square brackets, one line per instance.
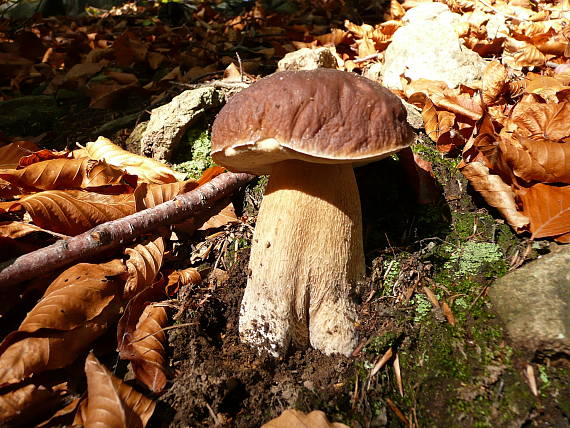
[76, 309]
[297, 419]
[548, 208]
[69, 174]
[112, 403]
[10, 154]
[143, 264]
[496, 193]
[73, 212]
[494, 79]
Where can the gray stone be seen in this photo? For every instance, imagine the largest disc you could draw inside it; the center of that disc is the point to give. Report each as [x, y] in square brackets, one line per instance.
[534, 303]
[169, 122]
[308, 59]
[428, 47]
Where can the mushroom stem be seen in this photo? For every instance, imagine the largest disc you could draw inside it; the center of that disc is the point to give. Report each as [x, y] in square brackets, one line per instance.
[306, 255]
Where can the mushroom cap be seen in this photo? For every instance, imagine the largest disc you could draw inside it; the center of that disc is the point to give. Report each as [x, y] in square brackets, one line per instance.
[320, 116]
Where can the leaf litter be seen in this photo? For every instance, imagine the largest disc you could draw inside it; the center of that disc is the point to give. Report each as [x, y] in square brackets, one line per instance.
[518, 165]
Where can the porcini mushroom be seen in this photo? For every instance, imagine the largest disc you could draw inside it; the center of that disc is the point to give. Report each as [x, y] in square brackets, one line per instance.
[306, 129]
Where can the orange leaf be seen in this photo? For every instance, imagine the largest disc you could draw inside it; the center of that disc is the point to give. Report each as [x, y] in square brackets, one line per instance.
[148, 170]
[438, 125]
[76, 309]
[496, 193]
[297, 419]
[69, 174]
[530, 160]
[111, 403]
[548, 208]
[73, 212]
[494, 79]
[143, 264]
[10, 154]
[541, 121]
[147, 345]
[151, 195]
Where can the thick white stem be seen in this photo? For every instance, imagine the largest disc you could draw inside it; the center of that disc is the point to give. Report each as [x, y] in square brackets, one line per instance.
[306, 255]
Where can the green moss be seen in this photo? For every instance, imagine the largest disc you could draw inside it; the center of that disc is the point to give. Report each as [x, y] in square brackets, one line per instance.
[197, 159]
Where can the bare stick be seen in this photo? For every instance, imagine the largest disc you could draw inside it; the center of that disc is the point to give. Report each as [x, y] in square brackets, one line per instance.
[117, 233]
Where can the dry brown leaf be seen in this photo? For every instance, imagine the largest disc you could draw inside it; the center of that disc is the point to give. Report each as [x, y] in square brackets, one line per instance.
[151, 195]
[43, 155]
[147, 348]
[181, 278]
[530, 160]
[143, 264]
[112, 403]
[546, 87]
[69, 174]
[523, 54]
[297, 419]
[548, 208]
[19, 229]
[146, 169]
[226, 216]
[496, 193]
[73, 212]
[494, 79]
[438, 124]
[541, 121]
[19, 407]
[10, 154]
[76, 309]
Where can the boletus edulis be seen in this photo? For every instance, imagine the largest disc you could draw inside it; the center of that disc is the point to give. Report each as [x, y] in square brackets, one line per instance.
[306, 129]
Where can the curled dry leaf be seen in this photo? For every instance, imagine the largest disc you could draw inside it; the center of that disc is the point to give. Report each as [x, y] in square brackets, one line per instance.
[180, 278]
[76, 309]
[495, 76]
[548, 208]
[112, 403]
[544, 161]
[148, 170]
[19, 407]
[541, 121]
[10, 154]
[523, 54]
[69, 174]
[496, 193]
[438, 124]
[143, 264]
[147, 351]
[297, 419]
[151, 195]
[43, 155]
[73, 212]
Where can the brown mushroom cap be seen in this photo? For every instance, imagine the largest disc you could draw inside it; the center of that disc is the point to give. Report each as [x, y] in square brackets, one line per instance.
[320, 116]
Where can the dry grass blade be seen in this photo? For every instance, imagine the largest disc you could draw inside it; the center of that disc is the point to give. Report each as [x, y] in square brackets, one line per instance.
[382, 361]
[69, 174]
[146, 169]
[496, 193]
[112, 403]
[398, 375]
[448, 313]
[74, 212]
[143, 264]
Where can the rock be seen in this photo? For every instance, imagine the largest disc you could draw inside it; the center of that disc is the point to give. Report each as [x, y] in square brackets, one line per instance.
[308, 59]
[169, 122]
[534, 304]
[133, 143]
[428, 47]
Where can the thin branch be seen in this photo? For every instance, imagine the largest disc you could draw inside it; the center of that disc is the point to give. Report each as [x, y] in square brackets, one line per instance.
[117, 233]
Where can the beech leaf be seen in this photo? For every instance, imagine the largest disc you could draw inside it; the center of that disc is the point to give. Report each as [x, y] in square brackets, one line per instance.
[297, 419]
[143, 264]
[496, 193]
[548, 208]
[148, 170]
[10, 154]
[112, 403]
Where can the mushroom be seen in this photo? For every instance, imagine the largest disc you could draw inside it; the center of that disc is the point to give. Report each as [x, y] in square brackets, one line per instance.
[306, 129]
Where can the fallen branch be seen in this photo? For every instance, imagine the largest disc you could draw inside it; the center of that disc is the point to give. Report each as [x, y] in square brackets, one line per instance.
[118, 232]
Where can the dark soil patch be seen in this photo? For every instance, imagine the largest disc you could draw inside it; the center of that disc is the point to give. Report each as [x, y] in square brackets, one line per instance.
[219, 381]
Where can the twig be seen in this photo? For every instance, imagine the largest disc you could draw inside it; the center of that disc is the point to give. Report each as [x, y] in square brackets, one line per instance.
[367, 57]
[116, 233]
[397, 411]
[501, 13]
